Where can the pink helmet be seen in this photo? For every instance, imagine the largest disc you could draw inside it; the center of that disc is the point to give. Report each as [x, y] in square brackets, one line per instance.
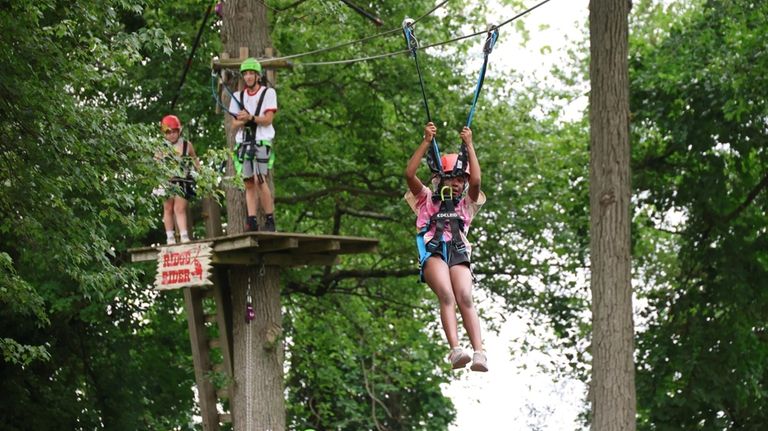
[170, 122]
[449, 161]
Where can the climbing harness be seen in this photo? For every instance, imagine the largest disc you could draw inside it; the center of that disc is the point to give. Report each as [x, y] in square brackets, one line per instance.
[247, 150]
[454, 251]
[185, 182]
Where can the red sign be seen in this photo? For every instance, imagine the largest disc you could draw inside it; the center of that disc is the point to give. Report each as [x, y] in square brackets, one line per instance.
[183, 265]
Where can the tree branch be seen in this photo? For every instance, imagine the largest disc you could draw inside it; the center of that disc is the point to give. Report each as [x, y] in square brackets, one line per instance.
[762, 185]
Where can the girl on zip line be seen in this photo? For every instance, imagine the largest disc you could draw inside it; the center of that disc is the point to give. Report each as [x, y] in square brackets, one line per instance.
[443, 218]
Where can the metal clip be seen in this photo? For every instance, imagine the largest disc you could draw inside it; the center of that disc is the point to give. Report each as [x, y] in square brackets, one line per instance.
[442, 192]
[250, 313]
[410, 39]
[490, 40]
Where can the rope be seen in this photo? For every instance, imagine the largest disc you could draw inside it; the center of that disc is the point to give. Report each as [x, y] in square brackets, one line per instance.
[493, 35]
[216, 96]
[405, 51]
[191, 55]
[364, 39]
[248, 357]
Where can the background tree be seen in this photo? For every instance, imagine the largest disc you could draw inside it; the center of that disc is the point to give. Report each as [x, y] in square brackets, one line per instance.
[344, 133]
[612, 385]
[76, 178]
[701, 177]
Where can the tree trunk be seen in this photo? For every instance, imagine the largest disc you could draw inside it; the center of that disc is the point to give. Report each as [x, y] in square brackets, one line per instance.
[258, 402]
[613, 371]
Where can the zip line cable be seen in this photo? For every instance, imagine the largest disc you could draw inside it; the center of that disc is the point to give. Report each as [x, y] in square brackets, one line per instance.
[405, 51]
[191, 55]
[364, 39]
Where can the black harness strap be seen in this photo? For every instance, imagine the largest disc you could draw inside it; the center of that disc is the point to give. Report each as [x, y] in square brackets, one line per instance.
[248, 147]
[250, 126]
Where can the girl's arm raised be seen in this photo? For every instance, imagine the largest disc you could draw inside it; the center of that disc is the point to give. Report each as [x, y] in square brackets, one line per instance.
[474, 166]
[414, 184]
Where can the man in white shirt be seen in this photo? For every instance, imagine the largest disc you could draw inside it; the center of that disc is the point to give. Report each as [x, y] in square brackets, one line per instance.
[255, 106]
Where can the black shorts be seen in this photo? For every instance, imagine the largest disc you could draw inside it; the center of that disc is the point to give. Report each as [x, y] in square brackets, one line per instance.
[454, 258]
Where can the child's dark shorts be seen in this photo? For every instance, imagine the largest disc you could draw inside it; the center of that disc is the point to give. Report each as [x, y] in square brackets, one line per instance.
[448, 254]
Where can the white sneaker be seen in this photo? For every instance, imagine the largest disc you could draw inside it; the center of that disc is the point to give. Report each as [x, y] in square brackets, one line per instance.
[479, 362]
[458, 358]
[170, 241]
[184, 239]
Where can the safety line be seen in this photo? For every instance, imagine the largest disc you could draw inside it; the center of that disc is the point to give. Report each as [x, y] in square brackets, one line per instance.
[404, 51]
[365, 39]
[191, 55]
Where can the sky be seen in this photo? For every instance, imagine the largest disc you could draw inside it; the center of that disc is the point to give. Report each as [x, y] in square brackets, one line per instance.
[515, 394]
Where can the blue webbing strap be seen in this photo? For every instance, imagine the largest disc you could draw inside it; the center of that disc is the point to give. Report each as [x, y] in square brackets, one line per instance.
[433, 155]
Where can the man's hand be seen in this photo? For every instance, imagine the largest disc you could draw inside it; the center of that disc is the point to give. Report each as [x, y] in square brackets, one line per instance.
[244, 116]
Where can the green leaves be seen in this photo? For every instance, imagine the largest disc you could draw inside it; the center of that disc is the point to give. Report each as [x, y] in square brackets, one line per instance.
[699, 109]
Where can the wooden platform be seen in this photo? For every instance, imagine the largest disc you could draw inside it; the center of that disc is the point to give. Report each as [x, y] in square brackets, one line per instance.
[273, 249]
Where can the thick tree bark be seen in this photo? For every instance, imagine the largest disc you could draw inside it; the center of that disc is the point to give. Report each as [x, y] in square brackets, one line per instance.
[258, 401]
[613, 371]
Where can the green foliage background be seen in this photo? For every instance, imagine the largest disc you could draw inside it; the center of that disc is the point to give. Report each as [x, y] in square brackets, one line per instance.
[87, 345]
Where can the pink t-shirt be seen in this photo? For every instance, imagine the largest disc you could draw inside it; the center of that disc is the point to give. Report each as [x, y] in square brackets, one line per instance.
[424, 207]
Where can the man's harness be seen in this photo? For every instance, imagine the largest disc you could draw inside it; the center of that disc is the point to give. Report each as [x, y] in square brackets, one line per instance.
[246, 150]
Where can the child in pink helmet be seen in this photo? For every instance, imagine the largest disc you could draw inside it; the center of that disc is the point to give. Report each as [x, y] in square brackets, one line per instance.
[181, 187]
[443, 218]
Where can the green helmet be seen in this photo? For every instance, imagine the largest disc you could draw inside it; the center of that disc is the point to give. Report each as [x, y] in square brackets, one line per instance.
[250, 64]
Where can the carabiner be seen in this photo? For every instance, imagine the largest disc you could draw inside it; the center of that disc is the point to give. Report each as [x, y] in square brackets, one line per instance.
[490, 40]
